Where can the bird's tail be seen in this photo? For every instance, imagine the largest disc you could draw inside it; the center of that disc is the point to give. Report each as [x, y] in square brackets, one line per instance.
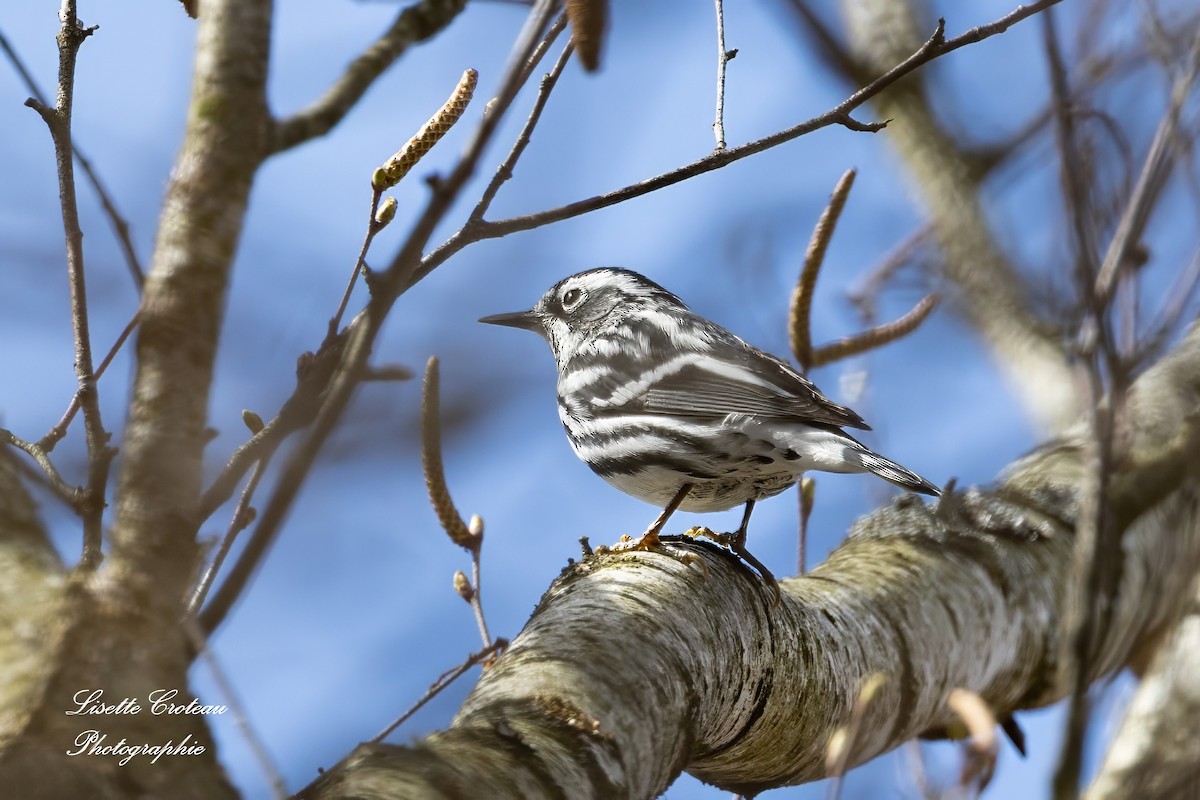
[892, 472]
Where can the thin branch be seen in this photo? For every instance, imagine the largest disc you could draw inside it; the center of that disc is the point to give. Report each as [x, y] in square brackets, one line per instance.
[313, 373]
[444, 680]
[1174, 303]
[55, 435]
[799, 314]
[414, 24]
[119, 224]
[477, 582]
[1075, 178]
[833, 52]
[360, 263]
[470, 590]
[1082, 621]
[937, 45]
[71, 36]
[71, 495]
[225, 687]
[243, 515]
[723, 58]
[808, 494]
[549, 80]
[1150, 182]
[867, 291]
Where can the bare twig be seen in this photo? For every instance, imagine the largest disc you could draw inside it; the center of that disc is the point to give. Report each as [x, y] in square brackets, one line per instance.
[470, 591]
[257, 748]
[866, 293]
[55, 435]
[723, 58]
[444, 680]
[416, 23]
[833, 51]
[1097, 557]
[71, 36]
[1174, 303]
[243, 515]
[476, 528]
[937, 45]
[119, 224]
[1151, 179]
[360, 264]
[799, 314]
[549, 80]
[313, 373]
[71, 495]
[877, 336]
[1075, 177]
[808, 496]
[1092, 552]
[844, 741]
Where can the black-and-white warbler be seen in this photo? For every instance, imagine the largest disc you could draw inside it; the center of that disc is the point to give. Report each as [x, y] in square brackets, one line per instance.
[677, 411]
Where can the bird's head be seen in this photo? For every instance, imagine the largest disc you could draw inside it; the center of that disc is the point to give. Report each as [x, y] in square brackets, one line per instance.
[586, 304]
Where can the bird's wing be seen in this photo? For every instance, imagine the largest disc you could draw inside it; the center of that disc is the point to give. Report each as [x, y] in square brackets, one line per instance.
[754, 383]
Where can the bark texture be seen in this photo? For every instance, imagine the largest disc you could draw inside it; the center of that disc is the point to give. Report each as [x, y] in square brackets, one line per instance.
[635, 667]
[1156, 752]
[118, 628]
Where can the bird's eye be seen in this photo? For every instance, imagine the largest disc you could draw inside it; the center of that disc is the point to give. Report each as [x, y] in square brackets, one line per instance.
[571, 297]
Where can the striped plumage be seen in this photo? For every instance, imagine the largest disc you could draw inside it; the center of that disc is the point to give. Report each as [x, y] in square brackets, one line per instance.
[655, 398]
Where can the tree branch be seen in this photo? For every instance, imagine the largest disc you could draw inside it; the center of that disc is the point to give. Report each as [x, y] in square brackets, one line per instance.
[414, 24]
[1153, 752]
[119, 223]
[963, 595]
[937, 45]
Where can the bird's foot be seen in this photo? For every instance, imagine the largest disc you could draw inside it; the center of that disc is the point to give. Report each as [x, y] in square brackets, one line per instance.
[649, 542]
[701, 532]
[736, 541]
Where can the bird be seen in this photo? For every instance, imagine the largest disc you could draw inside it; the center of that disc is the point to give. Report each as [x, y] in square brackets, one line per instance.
[675, 410]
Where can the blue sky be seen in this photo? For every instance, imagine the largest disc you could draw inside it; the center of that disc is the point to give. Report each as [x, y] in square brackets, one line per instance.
[353, 614]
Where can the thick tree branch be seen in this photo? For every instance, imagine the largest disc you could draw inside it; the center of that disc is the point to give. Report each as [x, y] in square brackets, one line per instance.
[183, 300]
[964, 595]
[1154, 751]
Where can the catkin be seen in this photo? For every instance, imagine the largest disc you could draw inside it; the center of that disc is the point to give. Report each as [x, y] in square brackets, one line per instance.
[588, 20]
[430, 133]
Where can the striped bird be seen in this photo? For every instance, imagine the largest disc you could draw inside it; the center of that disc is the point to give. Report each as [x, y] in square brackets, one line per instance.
[677, 411]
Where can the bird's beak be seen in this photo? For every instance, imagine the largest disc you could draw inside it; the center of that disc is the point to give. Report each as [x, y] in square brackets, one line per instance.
[517, 319]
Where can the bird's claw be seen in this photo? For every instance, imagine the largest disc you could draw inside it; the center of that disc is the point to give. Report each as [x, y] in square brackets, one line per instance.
[650, 542]
[736, 541]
